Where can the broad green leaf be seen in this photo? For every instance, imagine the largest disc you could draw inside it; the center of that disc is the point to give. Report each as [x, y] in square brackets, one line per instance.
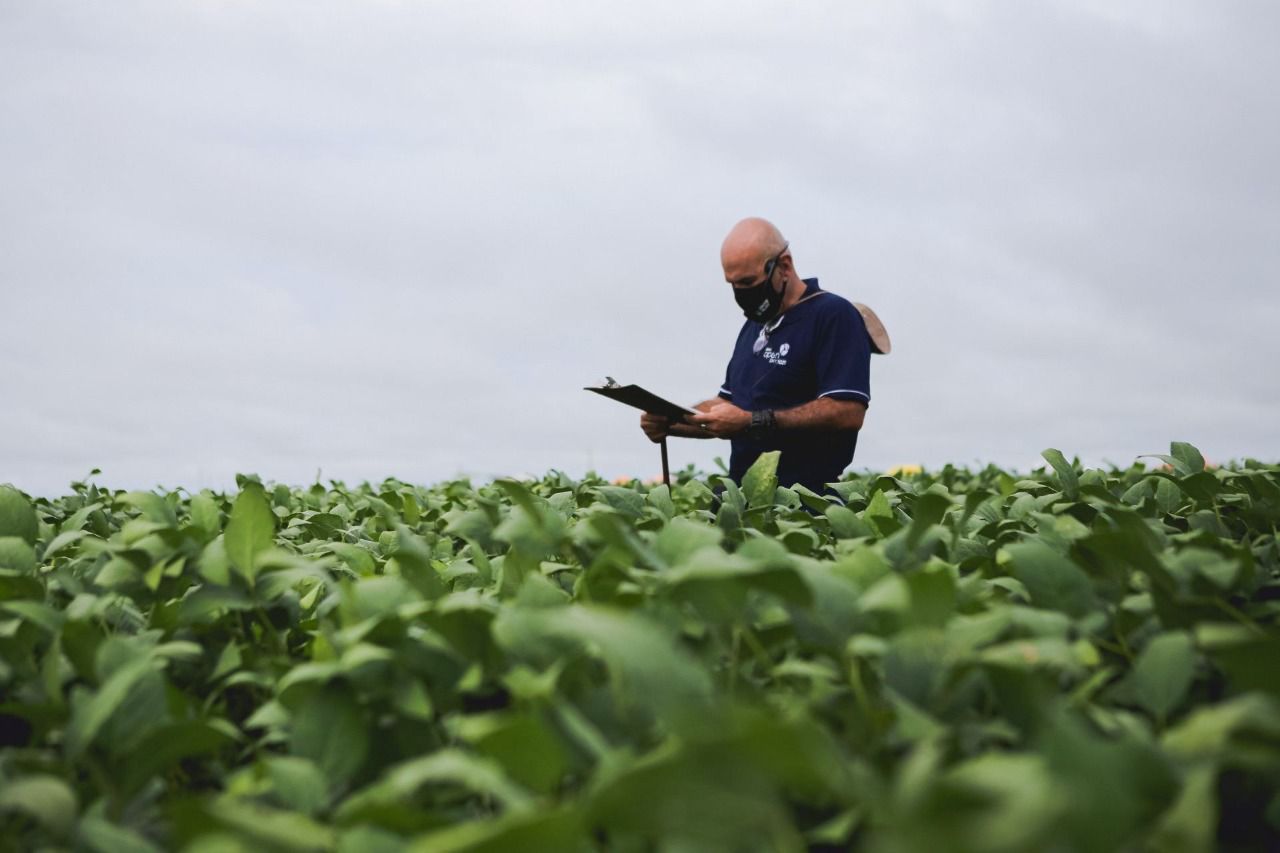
[756, 565]
[46, 617]
[933, 595]
[298, 783]
[761, 479]
[330, 728]
[250, 529]
[1234, 727]
[647, 667]
[927, 511]
[164, 746]
[545, 831]
[1190, 825]
[528, 751]
[846, 524]
[62, 541]
[1053, 581]
[358, 559]
[270, 829]
[17, 516]
[16, 555]
[682, 537]
[103, 836]
[154, 507]
[1113, 787]
[1067, 475]
[999, 802]
[1164, 671]
[205, 514]
[1190, 460]
[659, 497]
[89, 717]
[445, 766]
[47, 799]
[628, 502]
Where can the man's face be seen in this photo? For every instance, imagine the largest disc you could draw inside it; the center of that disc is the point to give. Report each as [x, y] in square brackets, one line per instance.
[758, 295]
[746, 268]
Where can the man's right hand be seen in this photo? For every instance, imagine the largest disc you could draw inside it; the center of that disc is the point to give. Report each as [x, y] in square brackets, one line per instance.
[655, 426]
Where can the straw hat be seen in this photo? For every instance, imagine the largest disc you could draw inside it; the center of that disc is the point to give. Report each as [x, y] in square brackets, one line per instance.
[875, 329]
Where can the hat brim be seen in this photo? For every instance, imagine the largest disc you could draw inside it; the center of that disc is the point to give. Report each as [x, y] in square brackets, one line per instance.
[875, 329]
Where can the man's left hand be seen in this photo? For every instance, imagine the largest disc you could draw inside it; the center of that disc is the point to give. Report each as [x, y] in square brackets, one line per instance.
[723, 420]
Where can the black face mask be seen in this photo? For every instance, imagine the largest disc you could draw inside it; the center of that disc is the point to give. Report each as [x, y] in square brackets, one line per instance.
[761, 302]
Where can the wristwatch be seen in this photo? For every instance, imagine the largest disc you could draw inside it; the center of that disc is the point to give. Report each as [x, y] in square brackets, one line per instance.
[763, 424]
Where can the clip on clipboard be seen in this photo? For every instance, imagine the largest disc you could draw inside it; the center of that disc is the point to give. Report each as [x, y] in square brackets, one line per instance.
[646, 401]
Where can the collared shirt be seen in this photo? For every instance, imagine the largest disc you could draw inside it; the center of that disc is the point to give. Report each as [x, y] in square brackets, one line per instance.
[818, 348]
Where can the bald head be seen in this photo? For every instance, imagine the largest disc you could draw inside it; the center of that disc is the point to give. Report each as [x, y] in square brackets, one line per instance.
[750, 245]
[752, 241]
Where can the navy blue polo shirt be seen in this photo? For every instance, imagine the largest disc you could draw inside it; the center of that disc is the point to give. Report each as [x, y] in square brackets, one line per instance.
[819, 348]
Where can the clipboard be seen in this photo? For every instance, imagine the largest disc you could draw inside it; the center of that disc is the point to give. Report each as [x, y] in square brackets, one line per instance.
[639, 398]
[646, 401]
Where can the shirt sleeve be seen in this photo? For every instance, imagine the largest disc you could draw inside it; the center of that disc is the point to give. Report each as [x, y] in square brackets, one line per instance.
[843, 355]
[726, 392]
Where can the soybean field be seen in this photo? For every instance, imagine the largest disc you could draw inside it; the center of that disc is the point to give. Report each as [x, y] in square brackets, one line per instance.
[1065, 660]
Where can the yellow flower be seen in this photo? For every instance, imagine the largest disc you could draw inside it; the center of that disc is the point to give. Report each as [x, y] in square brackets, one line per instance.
[904, 470]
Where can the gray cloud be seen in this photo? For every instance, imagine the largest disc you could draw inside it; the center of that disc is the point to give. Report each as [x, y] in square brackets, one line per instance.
[393, 238]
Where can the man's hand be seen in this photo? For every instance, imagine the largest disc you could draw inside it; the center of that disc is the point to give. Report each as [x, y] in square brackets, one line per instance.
[655, 426]
[722, 420]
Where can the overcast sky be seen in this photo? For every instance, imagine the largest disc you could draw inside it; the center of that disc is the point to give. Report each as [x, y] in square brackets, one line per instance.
[397, 238]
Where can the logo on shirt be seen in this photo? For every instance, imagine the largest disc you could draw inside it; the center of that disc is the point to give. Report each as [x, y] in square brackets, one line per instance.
[777, 357]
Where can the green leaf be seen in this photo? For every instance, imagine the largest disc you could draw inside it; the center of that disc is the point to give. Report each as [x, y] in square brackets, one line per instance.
[89, 718]
[1168, 496]
[271, 829]
[164, 746]
[447, 766]
[659, 497]
[153, 507]
[1190, 460]
[1053, 581]
[105, 837]
[1230, 730]
[298, 783]
[17, 516]
[528, 750]
[1190, 825]
[61, 541]
[627, 502]
[47, 799]
[933, 595]
[846, 524]
[996, 802]
[358, 559]
[761, 480]
[250, 530]
[46, 617]
[682, 537]
[205, 514]
[648, 669]
[544, 831]
[1067, 475]
[16, 555]
[330, 728]
[1163, 673]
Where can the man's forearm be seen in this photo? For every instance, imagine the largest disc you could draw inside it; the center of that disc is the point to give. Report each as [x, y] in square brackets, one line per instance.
[822, 413]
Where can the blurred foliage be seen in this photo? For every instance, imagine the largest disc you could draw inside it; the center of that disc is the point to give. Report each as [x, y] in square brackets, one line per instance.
[1074, 660]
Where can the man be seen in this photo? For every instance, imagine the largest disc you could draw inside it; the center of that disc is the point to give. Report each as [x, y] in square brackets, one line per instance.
[799, 378]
